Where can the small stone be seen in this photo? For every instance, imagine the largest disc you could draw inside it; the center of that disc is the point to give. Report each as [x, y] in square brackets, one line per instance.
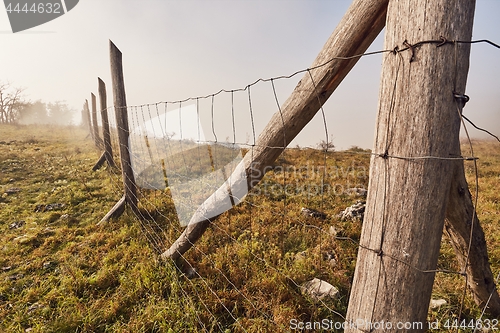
[49, 207]
[358, 191]
[333, 231]
[437, 303]
[354, 212]
[6, 268]
[34, 307]
[13, 190]
[313, 213]
[47, 265]
[332, 263]
[65, 216]
[318, 289]
[16, 225]
[330, 256]
[301, 255]
[15, 277]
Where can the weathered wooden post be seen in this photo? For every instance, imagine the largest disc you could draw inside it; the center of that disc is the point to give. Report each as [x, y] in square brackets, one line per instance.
[411, 173]
[86, 110]
[120, 105]
[84, 118]
[97, 138]
[107, 155]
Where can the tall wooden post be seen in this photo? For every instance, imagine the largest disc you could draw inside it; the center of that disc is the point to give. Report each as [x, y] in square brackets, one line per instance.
[107, 155]
[120, 105]
[418, 117]
[84, 118]
[97, 138]
[89, 121]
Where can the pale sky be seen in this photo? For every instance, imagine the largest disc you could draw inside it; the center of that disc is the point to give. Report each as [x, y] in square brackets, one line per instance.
[173, 50]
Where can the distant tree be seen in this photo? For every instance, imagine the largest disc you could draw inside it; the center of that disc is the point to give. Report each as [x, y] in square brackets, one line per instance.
[326, 145]
[35, 113]
[60, 113]
[12, 103]
[15, 109]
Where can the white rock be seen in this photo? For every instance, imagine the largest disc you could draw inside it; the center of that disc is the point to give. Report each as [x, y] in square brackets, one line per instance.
[354, 212]
[359, 191]
[318, 289]
[301, 255]
[436, 303]
[333, 231]
[313, 213]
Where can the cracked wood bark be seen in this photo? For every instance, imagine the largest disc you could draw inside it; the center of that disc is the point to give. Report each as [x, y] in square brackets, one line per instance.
[459, 219]
[358, 28]
[407, 199]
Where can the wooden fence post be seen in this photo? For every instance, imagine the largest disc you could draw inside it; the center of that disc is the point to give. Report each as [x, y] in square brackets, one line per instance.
[411, 171]
[120, 105]
[107, 155]
[97, 138]
[84, 118]
[89, 121]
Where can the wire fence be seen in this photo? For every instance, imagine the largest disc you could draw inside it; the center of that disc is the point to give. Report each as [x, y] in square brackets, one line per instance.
[254, 265]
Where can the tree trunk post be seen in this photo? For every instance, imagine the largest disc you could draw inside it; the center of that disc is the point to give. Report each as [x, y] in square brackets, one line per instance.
[108, 150]
[418, 117]
[120, 105]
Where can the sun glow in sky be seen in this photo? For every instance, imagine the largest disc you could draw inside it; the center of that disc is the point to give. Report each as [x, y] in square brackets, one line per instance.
[174, 50]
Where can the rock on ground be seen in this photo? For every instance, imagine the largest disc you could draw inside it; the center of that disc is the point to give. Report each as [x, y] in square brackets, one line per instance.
[354, 212]
[318, 289]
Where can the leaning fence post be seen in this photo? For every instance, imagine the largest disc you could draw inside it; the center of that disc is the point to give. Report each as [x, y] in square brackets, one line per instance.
[120, 105]
[107, 155]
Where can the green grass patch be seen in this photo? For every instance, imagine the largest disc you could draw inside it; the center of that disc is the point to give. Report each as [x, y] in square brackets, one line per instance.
[59, 272]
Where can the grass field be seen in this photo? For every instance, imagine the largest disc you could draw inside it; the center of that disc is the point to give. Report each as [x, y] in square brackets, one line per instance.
[59, 272]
